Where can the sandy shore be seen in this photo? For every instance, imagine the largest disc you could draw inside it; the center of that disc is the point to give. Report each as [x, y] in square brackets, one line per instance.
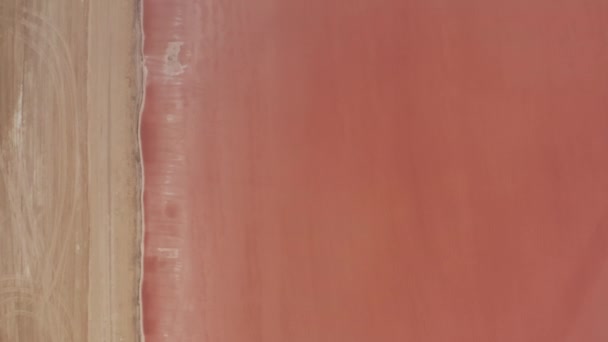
[69, 165]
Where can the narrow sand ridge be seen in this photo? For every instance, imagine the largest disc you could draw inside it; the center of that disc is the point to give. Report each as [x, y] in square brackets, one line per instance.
[69, 171]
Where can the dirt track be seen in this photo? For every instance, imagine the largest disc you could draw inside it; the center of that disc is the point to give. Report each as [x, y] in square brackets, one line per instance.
[69, 184]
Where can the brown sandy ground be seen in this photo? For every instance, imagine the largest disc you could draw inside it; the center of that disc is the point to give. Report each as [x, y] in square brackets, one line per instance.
[69, 171]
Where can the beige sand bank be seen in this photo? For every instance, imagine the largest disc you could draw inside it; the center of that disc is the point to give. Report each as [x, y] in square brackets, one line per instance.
[69, 171]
